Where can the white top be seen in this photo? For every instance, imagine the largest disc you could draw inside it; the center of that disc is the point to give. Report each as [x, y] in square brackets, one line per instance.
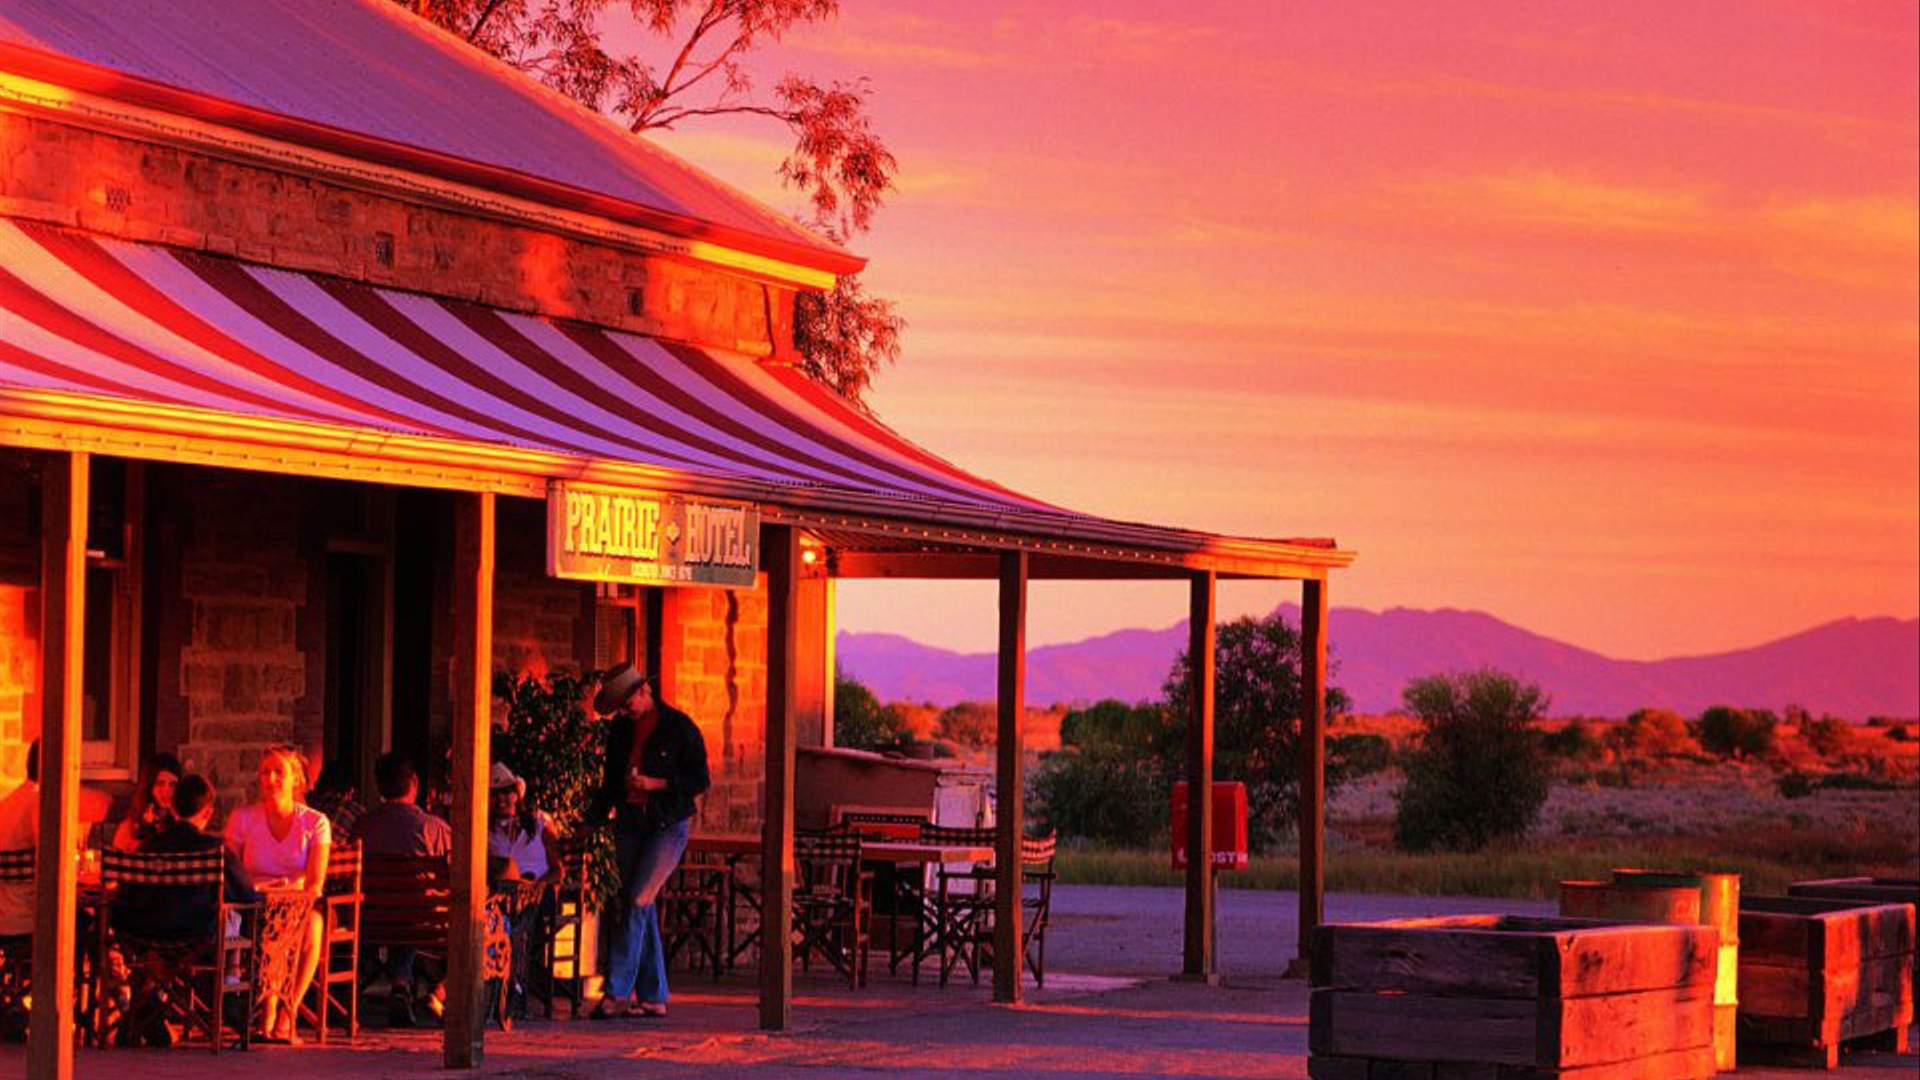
[267, 859]
[527, 850]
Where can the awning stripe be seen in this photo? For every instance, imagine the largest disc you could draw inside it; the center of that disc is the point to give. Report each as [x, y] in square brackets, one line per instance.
[770, 414]
[119, 283]
[840, 411]
[544, 350]
[101, 316]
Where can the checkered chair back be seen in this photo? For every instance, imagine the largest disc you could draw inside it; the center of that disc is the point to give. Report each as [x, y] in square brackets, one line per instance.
[827, 865]
[16, 866]
[166, 868]
[883, 825]
[1038, 852]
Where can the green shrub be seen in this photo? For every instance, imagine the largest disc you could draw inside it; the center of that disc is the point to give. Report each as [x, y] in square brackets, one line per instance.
[1573, 741]
[860, 722]
[558, 747]
[1104, 792]
[1828, 736]
[1794, 785]
[1479, 773]
[1358, 755]
[1655, 733]
[1737, 733]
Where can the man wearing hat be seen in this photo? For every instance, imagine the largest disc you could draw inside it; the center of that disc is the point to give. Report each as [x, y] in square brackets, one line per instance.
[656, 766]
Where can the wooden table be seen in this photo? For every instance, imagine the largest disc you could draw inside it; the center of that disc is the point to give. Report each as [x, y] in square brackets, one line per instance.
[912, 851]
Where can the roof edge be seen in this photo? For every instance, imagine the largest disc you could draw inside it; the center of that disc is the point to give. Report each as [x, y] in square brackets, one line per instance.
[73, 74]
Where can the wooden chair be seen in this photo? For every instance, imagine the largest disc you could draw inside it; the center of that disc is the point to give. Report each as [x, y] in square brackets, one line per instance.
[559, 943]
[407, 901]
[1036, 858]
[901, 915]
[336, 986]
[691, 908]
[973, 908]
[831, 901]
[186, 979]
[962, 907]
[16, 950]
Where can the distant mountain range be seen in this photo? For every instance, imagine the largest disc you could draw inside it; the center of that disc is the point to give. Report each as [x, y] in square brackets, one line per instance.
[1851, 667]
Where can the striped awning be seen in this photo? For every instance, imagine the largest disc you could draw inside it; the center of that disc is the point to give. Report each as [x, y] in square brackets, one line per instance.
[127, 320]
[128, 326]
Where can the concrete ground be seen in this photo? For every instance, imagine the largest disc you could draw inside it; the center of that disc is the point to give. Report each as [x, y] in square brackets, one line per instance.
[1107, 1011]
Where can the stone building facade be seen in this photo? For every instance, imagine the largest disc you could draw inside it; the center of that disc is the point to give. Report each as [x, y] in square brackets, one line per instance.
[239, 571]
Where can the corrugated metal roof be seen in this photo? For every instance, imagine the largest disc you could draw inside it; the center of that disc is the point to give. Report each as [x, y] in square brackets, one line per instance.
[371, 68]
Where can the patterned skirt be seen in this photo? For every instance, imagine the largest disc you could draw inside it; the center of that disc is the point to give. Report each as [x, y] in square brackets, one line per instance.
[283, 933]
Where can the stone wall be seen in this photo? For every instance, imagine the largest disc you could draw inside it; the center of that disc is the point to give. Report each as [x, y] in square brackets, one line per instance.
[121, 186]
[243, 658]
[713, 666]
[19, 617]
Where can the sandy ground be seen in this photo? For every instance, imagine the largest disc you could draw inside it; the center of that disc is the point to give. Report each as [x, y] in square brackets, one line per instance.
[1108, 1011]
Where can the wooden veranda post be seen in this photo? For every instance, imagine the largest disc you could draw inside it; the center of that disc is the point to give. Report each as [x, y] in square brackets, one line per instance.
[63, 621]
[781, 545]
[1313, 759]
[1199, 958]
[1008, 941]
[464, 1046]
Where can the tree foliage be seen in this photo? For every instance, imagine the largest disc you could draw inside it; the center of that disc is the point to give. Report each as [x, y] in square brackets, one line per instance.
[839, 165]
[970, 723]
[1655, 733]
[1479, 773]
[860, 721]
[1257, 706]
[558, 746]
[1103, 785]
[1737, 733]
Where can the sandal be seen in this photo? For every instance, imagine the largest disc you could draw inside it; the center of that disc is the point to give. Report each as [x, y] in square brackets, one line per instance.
[653, 1009]
[609, 1009]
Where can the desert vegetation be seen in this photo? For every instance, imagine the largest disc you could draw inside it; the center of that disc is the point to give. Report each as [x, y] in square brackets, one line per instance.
[1473, 788]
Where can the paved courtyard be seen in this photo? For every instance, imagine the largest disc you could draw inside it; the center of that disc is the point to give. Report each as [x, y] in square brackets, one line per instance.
[1108, 1011]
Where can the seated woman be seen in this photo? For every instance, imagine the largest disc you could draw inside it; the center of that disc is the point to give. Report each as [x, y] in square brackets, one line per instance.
[284, 844]
[518, 831]
[152, 810]
[173, 912]
[521, 846]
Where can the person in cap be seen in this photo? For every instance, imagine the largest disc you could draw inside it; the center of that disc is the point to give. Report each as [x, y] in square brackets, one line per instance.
[656, 766]
[516, 830]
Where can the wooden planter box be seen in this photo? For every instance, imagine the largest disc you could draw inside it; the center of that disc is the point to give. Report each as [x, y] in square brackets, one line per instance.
[1495, 997]
[1818, 973]
[1878, 890]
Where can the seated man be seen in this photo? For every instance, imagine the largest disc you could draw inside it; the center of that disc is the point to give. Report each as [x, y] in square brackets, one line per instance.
[398, 827]
[20, 831]
[174, 912]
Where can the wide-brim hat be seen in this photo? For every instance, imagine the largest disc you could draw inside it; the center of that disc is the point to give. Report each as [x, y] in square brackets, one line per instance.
[502, 778]
[616, 686]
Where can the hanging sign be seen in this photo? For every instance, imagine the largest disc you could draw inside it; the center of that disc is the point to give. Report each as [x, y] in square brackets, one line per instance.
[607, 534]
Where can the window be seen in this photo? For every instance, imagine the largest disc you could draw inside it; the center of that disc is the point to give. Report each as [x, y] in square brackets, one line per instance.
[109, 689]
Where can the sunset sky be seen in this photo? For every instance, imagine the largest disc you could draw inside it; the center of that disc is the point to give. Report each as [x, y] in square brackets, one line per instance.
[1600, 318]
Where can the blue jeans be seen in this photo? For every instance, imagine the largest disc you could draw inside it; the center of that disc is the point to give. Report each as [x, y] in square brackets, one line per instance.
[636, 958]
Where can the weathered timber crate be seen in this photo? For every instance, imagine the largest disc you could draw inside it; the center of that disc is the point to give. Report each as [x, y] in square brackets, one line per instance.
[1496, 997]
[1718, 895]
[1815, 974]
[1878, 890]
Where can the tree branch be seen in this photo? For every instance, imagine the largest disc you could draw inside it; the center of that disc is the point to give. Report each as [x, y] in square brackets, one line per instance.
[667, 118]
[481, 20]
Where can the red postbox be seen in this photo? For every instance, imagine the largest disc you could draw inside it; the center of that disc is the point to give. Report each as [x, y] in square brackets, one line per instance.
[1229, 825]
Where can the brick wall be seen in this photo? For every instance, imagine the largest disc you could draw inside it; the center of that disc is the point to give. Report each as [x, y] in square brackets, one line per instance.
[119, 186]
